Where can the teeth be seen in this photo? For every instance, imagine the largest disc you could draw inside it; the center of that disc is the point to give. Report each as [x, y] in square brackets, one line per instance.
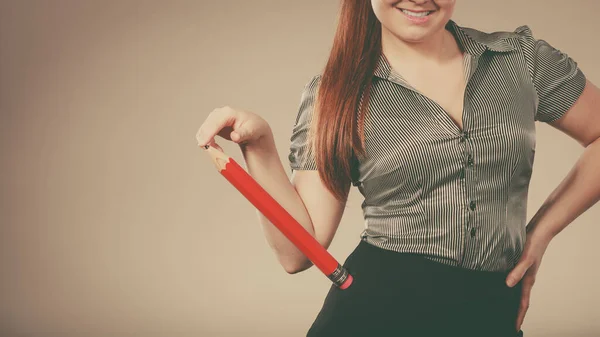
[416, 15]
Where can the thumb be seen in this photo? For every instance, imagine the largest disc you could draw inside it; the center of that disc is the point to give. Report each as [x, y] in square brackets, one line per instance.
[239, 136]
[517, 273]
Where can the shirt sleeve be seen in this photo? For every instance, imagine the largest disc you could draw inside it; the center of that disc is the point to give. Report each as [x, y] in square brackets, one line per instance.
[301, 156]
[556, 77]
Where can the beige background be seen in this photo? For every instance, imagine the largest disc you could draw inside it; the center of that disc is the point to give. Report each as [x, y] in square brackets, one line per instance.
[114, 222]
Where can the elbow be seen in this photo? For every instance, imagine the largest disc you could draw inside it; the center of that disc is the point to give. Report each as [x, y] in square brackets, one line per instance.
[295, 268]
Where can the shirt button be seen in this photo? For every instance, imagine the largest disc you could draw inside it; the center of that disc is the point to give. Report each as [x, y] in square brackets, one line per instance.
[473, 232]
[472, 205]
[291, 157]
[470, 160]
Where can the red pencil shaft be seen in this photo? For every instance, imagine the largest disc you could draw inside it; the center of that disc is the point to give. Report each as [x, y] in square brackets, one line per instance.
[271, 209]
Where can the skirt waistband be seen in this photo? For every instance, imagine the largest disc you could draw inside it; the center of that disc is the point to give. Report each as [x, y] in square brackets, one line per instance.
[376, 258]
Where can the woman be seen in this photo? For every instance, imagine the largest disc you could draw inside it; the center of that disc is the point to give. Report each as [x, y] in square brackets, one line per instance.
[434, 124]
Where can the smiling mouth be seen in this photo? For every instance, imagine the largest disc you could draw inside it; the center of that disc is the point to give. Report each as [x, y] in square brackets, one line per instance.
[420, 14]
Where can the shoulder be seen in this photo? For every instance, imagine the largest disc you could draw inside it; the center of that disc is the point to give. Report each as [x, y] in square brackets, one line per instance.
[311, 87]
[520, 36]
[497, 35]
[313, 82]
[523, 31]
[309, 92]
[525, 36]
[520, 32]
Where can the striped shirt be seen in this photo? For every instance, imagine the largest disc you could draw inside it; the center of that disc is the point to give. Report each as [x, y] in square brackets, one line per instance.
[457, 196]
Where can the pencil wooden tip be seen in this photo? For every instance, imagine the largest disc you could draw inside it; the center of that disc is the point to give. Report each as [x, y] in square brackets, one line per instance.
[219, 158]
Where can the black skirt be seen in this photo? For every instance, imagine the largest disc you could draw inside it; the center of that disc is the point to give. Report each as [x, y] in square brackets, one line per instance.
[403, 294]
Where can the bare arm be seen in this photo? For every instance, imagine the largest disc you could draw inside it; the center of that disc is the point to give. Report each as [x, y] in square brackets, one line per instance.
[581, 187]
[303, 196]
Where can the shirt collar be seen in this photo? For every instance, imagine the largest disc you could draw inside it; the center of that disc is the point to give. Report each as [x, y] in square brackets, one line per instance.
[471, 41]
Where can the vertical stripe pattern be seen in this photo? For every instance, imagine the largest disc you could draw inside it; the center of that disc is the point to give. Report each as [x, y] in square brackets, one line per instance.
[456, 196]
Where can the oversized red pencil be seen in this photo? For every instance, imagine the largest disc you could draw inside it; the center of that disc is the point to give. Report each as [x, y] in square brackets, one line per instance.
[279, 217]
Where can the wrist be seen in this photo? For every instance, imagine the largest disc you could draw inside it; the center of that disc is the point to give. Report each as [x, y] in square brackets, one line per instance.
[540, 235]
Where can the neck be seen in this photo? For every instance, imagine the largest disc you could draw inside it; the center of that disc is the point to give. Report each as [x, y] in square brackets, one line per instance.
[437, 49]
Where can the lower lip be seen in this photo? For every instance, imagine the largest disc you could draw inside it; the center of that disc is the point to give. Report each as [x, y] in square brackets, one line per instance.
[419, 20]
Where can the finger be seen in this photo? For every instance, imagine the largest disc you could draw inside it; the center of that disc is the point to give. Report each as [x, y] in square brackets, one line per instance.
[517, 273]
[524, 302]
[216, 120]
[238, 136]
[519, 320]
[521, 316]
[242, 135]
[215, 145]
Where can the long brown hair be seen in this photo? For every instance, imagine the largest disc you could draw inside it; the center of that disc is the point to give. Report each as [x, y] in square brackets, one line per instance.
[342, 98]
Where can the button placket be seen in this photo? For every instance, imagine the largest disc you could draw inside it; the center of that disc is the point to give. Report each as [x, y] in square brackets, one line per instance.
[470, 160]
[464, 135]
[467, 176]
[469, 165]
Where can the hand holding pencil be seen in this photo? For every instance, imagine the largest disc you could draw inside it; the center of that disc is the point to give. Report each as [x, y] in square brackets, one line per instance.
[237, 126]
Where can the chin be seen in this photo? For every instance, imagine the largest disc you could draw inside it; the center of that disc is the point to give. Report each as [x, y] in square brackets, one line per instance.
[413, 34]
